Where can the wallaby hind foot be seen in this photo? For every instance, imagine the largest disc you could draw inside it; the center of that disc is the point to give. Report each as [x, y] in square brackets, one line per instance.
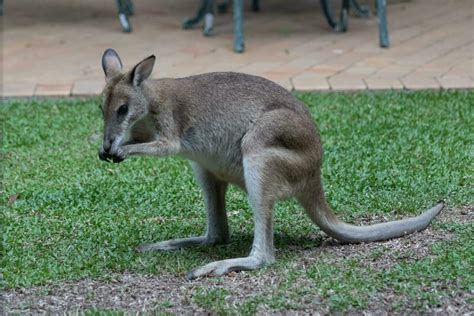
[219, 268]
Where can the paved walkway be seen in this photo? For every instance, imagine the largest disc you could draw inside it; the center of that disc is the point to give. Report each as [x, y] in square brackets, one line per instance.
[53, 47]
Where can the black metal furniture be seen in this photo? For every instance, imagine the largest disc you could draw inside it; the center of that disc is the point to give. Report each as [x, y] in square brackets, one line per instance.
[206, 13]
[125, 9]
[338, 24]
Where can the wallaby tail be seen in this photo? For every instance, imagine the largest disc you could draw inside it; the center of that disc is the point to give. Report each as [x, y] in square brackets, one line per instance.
[322, 215]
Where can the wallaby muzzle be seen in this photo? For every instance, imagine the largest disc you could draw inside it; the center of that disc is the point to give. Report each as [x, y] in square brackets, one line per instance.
[107, 157]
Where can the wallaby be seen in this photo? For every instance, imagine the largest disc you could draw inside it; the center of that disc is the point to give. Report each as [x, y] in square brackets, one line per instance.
[235, 128]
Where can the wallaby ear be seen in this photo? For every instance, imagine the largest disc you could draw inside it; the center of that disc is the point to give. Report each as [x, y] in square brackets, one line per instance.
[143, 70]
[111, 63]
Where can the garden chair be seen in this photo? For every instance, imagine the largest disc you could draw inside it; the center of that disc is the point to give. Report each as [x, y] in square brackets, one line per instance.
[125, 9]
[340, 24]
[206, 13]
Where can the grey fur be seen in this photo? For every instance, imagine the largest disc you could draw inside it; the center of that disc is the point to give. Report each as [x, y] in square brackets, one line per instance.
[238, 129]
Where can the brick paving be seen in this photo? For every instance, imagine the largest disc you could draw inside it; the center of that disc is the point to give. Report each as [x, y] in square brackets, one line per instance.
[53, 47]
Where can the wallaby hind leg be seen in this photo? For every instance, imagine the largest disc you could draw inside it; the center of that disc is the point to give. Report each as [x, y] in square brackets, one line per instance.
[217, 227]
[262, 205]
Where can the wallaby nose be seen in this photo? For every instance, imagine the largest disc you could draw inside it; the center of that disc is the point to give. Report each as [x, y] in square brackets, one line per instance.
[108, 144]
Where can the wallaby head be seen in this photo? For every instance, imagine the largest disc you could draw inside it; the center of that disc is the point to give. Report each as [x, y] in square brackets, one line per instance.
[123, 101]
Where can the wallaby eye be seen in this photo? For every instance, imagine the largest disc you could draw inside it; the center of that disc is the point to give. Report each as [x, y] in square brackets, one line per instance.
[123, 109]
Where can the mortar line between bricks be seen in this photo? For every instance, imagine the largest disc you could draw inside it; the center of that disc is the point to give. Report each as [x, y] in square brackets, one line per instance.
[402, 83]
[439, 83]
[429, 30]
[324, 61]
[364, 43]
[72, 87]
[404, 26]
[356, 45]
[292, 84]
[329, 84]
[453, 65]
[295, 58]
[437, 57]
[365, 83]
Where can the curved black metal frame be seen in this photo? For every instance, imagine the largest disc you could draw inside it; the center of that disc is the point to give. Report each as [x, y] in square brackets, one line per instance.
[206, 13]
[362, 11]
[125, 9]
[338, 25]
[341, 24]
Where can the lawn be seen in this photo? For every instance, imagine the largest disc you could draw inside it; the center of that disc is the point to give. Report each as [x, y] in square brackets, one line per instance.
[68, 217]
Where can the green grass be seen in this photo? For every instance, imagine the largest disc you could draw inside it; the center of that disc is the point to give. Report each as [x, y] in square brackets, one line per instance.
[77, 217]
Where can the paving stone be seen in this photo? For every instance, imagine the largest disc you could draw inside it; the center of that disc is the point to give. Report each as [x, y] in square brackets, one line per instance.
[53, 90]
[415, 82]
[310, 81]
[380, 83]
[347, 82]
[327, 69]
[88, 87]
[258, 67]
[282, 80]
[360, 70]
[456, 82]
[18, 89]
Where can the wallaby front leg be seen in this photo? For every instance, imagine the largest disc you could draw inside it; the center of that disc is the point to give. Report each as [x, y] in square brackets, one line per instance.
[217, 228]
[156, 148]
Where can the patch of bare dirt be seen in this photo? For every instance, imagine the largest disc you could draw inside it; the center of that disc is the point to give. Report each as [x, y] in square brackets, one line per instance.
[385, 254]
[170, 293]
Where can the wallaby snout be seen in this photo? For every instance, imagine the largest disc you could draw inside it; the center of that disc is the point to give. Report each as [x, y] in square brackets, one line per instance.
[103, 155]
[108, 144]
[106, 153]
[107, 156]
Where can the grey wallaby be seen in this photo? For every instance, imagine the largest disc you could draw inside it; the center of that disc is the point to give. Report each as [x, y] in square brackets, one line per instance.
[238, 129]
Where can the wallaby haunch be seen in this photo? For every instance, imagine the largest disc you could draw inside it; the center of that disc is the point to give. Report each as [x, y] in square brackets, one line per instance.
[238, 129]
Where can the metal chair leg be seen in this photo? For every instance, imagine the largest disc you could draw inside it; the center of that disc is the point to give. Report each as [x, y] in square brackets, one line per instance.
[239, 45]
[208, 18]
[362, 11]
[223, 6]
[129, 7]
[123, 15]
[383, 29]
[256, 5]
[337, 25]
[191, 22]
[206, 13]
